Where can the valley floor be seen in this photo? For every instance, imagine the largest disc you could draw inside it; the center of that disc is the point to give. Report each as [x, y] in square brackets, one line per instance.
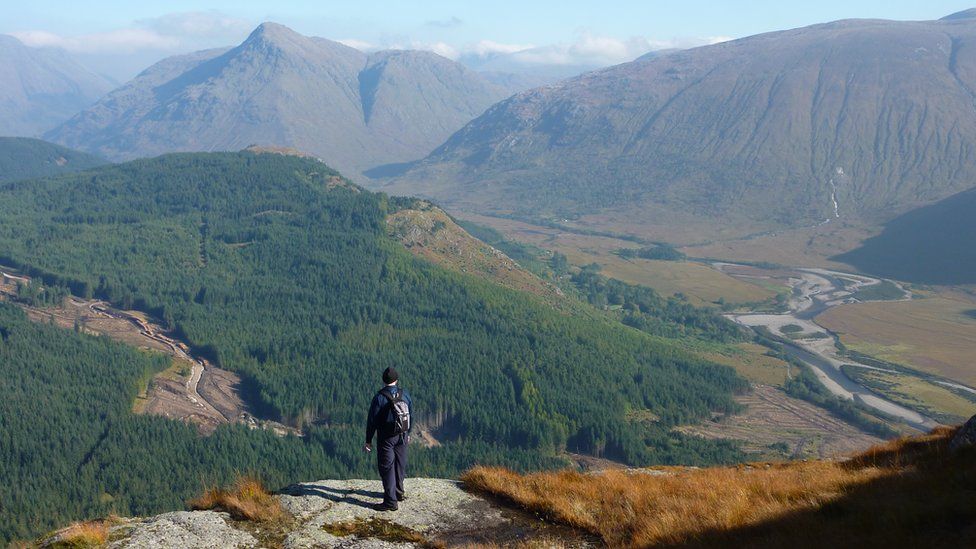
[926, 336]
[777, 426]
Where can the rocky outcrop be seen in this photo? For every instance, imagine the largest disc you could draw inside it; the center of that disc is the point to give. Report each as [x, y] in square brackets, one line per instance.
[203, 529]
[339, 513]
[965, 437]
[436, 508]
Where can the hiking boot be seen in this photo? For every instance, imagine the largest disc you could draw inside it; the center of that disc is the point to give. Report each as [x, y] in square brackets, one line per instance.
[401, 497]
[385, 507]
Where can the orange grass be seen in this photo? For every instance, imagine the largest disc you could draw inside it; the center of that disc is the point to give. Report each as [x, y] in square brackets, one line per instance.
[247, 499]
[900, 493]
[83, 535]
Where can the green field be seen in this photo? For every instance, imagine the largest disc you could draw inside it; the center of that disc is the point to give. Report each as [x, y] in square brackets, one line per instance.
[936, 401]
[933, 334]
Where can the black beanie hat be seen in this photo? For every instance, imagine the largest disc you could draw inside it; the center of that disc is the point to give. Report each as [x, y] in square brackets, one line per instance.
[390, 375]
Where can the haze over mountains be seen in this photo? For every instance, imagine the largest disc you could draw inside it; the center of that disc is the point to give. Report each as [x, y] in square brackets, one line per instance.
[353, 109]
[42, 87]
[857, 119]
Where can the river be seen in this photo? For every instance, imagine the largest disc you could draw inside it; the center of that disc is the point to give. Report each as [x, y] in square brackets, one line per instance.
[815, 291]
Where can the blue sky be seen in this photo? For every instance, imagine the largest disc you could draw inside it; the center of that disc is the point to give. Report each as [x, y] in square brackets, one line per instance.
[121, 37]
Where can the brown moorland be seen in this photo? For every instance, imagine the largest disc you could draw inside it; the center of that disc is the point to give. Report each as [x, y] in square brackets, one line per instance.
[911, 492]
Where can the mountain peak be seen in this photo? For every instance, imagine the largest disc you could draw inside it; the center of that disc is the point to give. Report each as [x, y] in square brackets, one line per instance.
[963, 15]
[274, 33]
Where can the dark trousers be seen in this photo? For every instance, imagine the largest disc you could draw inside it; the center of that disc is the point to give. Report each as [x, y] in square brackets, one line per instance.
[391, 457]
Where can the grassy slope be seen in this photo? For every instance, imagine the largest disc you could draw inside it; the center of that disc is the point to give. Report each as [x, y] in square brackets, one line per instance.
[906, 493]
[933, 334]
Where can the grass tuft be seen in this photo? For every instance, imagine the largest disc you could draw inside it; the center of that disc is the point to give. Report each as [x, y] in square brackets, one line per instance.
[246, 499]
[82, 535]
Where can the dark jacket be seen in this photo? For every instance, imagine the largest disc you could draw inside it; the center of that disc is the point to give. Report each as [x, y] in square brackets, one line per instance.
[380, 419]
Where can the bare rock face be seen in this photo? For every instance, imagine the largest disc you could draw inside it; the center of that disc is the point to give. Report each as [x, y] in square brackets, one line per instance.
[435, 507]
[966, 437]
[202, 529]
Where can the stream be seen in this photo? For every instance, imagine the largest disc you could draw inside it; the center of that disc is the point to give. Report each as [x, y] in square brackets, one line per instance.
[815, 291]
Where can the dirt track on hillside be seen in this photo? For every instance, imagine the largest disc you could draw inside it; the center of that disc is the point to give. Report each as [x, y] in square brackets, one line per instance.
[192, 390]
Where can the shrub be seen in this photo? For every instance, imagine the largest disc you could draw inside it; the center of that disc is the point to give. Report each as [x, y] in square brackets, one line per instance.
[247, 499]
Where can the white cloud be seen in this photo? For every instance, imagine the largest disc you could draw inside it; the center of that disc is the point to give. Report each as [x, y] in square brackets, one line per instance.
[110, 41]
[360, 45]
[586, 50]
[449, 23]
[172, 32]
[198, 24]
[487, 48]
[442, 48]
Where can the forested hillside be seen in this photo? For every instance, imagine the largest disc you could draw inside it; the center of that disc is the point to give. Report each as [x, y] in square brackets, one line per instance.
[70, 446]
[277, 268]
[22, 158]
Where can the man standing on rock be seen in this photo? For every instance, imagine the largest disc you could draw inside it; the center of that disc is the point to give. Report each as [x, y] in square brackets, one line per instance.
[389, 419]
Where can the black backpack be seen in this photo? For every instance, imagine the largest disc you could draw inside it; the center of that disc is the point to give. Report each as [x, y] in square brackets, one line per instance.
[400, 411]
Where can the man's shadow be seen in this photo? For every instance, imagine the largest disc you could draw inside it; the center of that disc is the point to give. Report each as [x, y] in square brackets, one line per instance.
[336, 495]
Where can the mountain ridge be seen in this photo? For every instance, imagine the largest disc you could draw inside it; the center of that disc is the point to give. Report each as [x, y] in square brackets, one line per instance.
[42, 87]
[279, 88]
[774, 127]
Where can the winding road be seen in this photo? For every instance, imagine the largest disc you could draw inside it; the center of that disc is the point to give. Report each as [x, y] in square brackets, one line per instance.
[146, 329]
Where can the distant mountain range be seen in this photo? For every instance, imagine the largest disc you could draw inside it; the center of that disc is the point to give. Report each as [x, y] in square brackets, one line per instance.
[857, 119]
[42, 87]
[352, 109]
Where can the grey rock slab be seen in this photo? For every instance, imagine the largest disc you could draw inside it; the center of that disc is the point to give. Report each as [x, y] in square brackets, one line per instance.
[433, 506]
[185, 529]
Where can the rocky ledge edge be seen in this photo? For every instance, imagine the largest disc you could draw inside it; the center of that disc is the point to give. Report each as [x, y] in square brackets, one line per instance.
[340, 514]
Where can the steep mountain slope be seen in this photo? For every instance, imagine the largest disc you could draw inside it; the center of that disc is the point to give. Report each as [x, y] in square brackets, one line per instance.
[929, 245]
[41, 88]
[280, 88]
[857, 119]
[23, 158]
